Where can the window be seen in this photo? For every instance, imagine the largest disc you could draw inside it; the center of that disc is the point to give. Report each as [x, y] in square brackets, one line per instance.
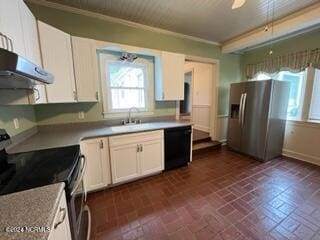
[315, 99]
[126, 86]
[296, 92]
[297, 86]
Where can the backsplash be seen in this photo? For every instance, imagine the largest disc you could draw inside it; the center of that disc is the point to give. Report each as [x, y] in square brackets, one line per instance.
[24, 114]
[68, 112]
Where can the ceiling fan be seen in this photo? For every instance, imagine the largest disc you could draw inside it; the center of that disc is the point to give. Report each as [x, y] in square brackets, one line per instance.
[238, 3]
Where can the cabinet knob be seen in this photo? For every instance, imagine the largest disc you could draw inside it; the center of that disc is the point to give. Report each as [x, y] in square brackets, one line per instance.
[138, 148]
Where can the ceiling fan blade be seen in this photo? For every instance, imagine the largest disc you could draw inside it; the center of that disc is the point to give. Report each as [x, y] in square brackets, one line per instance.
[238, 3]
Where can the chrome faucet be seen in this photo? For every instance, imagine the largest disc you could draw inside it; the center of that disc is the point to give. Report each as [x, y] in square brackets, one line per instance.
[129, 114]
[129, 120]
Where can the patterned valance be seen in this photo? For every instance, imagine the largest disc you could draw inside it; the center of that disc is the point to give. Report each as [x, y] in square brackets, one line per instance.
[296, 62]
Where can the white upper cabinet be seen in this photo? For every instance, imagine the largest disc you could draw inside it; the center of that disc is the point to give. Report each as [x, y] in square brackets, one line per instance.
[57, 58]
[30, 34]
[169, 76]
[11, 25]
[97, 173]
[31, 41]
[19, 24]
[86, 69]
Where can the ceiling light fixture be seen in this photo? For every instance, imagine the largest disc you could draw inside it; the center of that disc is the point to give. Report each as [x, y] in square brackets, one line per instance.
[238, 3]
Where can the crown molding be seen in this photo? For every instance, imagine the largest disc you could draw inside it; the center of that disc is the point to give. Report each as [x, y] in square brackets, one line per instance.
[100, 16]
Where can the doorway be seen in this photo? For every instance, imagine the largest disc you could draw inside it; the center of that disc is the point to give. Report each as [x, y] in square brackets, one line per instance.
[200, 97]
[186, 103]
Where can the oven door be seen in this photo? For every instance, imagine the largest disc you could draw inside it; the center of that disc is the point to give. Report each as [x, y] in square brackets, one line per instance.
[77, 206]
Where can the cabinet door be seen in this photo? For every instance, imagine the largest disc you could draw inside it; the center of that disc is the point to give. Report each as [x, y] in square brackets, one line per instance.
[124, 162]
[151, 157]
[97, 173]
[86, 69]
[60, 230]
[170, 76]
[31, 40]
[57, 58]
[30, 34]
[11, 26]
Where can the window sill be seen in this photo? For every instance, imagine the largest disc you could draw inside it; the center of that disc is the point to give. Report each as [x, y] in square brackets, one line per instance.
[304, 123]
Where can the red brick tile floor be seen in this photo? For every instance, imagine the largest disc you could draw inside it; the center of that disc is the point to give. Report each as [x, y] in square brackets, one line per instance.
[220, 195]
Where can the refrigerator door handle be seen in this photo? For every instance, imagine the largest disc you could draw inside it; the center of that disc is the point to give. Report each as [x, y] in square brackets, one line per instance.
[240, 110]
[243, 109]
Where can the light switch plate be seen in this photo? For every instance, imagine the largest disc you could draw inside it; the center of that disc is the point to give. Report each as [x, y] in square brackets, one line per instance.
[16, 123]
[81, 115]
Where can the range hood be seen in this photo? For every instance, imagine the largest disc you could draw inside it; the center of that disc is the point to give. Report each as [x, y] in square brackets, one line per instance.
[17, 72]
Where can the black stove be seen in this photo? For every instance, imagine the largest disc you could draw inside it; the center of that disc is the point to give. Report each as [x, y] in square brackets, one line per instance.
[28, 170]
[23, 171]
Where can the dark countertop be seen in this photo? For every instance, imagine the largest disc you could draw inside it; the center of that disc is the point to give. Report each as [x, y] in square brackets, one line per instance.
[60, 136]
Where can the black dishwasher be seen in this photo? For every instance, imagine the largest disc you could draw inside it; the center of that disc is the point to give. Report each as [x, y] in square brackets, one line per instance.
[177, 146]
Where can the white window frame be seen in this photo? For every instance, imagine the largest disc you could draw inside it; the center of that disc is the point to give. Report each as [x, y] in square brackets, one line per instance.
[313, 73]
[108, 112]
[108, 87]
[302, 97]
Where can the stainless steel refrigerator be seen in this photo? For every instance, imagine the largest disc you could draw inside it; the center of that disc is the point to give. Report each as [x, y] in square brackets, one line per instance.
[257, 118]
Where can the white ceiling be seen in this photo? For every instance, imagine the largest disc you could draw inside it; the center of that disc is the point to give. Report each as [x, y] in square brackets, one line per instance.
[213, 20]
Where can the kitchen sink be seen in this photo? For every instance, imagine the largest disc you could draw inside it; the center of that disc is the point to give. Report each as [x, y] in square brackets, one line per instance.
[131, 128]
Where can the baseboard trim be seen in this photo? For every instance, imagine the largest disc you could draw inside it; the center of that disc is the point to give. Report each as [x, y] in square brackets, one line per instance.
[301, 156]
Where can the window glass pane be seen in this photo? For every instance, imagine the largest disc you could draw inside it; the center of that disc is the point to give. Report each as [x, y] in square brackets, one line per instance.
[315, 100]
[296, 90]
[126, 75]
[127, 98]
[294, 104]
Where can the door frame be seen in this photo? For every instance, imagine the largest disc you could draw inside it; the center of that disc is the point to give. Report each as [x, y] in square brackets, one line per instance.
[214, 101]
[191, 95]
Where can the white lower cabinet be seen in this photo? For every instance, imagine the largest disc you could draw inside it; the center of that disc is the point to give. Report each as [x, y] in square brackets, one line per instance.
[124, 162]
[136, 155]
[151, 157]
[60, 229]
[97, 173]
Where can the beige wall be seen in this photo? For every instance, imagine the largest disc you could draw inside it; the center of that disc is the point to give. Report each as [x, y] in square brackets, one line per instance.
[302, 141]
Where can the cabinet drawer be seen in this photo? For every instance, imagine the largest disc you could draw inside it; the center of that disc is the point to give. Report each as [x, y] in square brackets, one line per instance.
[135, 138]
